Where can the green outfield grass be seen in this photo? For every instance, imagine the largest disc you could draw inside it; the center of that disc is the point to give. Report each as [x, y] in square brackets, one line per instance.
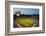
[26, 22]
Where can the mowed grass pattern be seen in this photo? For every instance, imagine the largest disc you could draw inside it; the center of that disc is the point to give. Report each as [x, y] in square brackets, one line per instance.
[26, 22]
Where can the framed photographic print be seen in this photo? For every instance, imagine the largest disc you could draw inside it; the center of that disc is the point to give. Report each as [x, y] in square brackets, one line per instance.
[24, 18]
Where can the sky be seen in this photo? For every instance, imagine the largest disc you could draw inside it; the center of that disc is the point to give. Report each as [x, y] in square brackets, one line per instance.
[26, 11]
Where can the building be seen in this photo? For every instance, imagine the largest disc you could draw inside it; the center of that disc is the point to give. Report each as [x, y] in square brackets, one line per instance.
[17, 13]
